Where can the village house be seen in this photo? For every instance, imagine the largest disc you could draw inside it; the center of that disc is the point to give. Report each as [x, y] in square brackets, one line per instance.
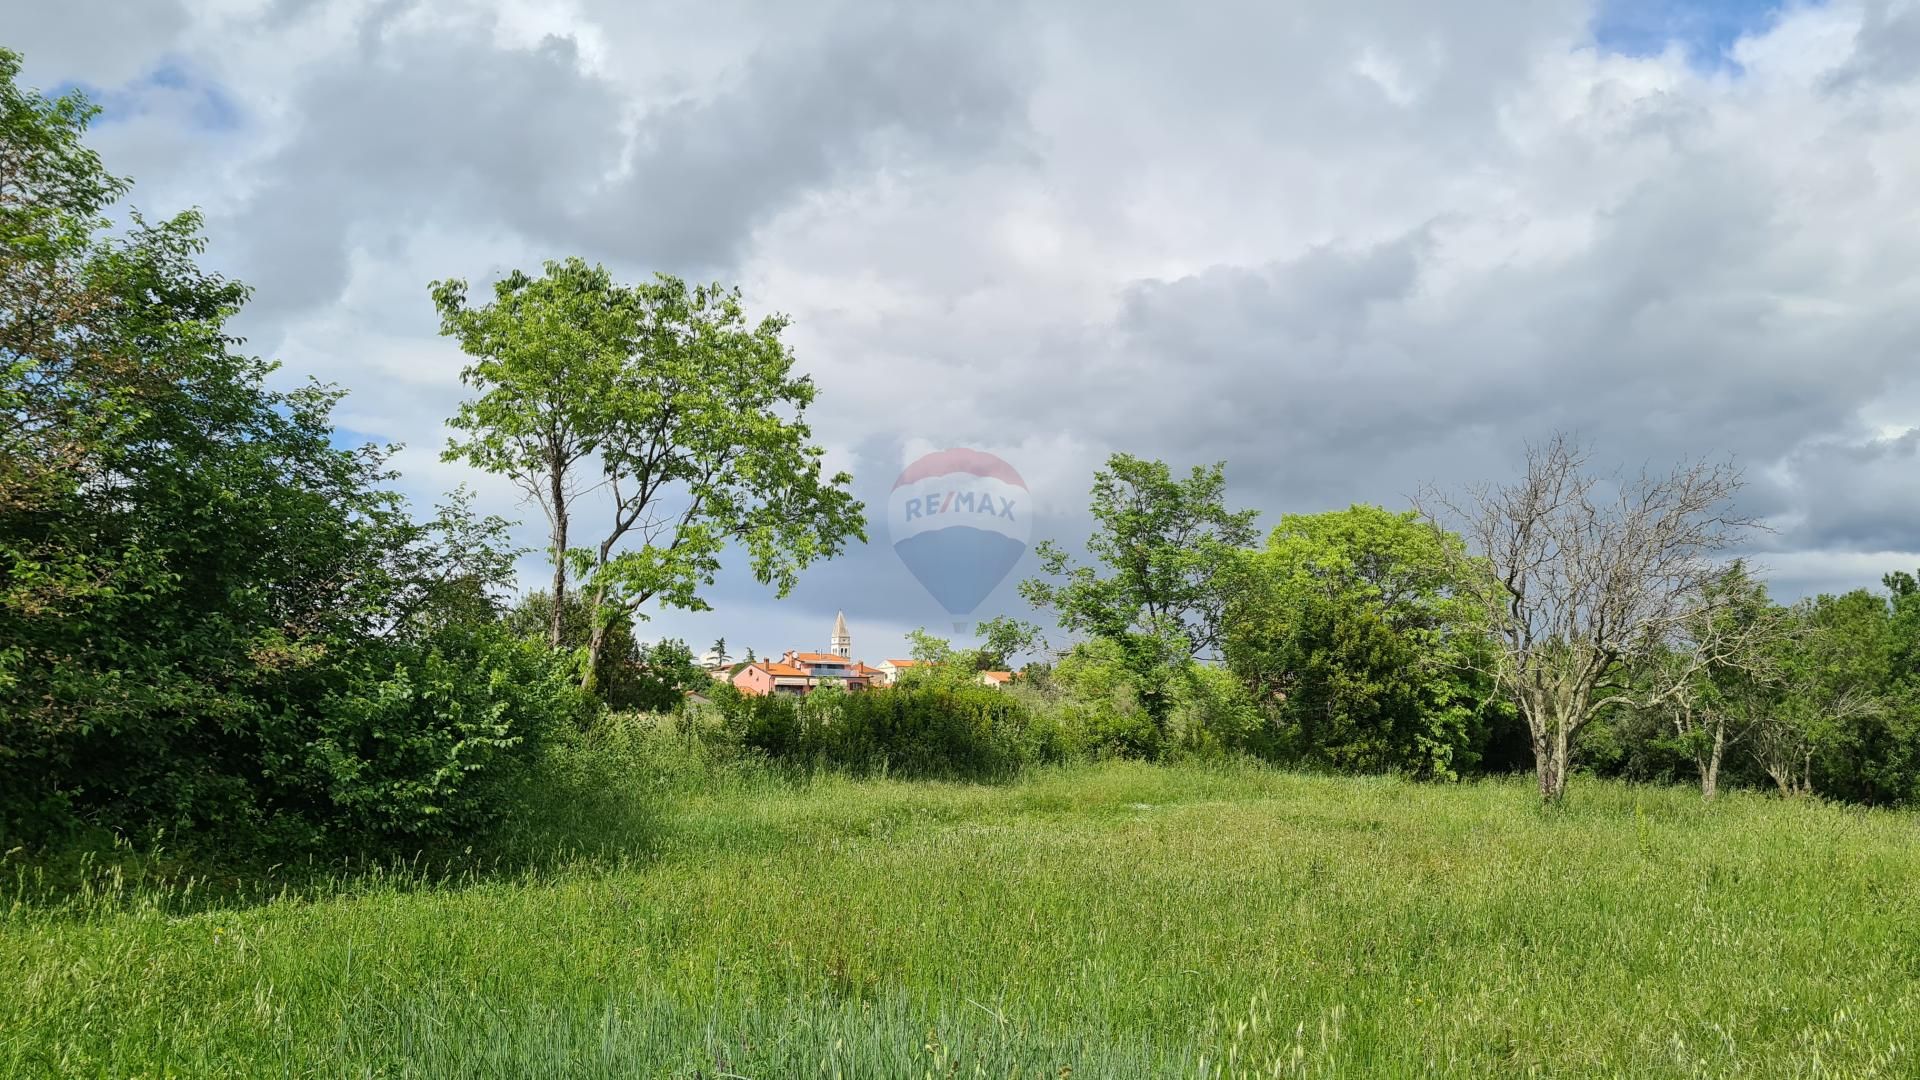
[772, 677]
[800, 673]
[804, 672]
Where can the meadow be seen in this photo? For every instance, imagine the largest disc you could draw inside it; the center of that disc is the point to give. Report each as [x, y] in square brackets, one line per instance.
[1123, 920]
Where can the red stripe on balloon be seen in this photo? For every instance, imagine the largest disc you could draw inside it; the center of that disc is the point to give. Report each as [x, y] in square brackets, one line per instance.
[960, 460]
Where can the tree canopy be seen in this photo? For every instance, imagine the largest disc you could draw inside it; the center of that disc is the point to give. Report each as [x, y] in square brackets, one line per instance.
[212, 619]
[1352, 625]
[686, 415]
[1159, 584]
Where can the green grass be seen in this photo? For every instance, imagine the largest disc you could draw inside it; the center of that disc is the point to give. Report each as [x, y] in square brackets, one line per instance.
[1120, 920]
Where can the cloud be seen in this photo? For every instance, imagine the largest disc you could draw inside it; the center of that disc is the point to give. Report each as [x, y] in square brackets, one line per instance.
[91, 42]
[425, 121]
[430, 127]
[1348, 248]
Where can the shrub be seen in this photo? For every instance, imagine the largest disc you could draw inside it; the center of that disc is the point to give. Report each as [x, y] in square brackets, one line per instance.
[932, 731]
[1214, 715]
[425, 739]
[629, 676]
[1093, 706]
[214, 621]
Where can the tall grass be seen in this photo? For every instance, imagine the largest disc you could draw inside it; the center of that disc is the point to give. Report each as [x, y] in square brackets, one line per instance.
[674, 913]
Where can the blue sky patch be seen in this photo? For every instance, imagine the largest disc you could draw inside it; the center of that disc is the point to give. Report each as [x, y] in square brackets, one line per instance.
[1706, 29]
[209, 106]
[346, 438]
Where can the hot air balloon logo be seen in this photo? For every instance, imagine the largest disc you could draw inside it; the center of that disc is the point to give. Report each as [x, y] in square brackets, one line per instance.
[959, 519]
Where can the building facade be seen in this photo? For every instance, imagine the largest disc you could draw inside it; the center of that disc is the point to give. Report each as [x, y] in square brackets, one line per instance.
[804, 672]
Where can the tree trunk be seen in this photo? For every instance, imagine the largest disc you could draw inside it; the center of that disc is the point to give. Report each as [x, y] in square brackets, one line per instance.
[596, 641]
[1550, 765]
[597, 624]
[557, 623]
[1781, 779]
[1710, 765]
[1790, 780]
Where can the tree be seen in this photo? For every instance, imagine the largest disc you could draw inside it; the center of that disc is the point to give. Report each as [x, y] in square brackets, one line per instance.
[546, 354]
[720, 650]
[936, 663]
[1724, 671]
[665, 672]
[1353, 629]
[1835, 668]
[460, 577]
[1165, 545]
[1586, 581]
[211, 617]
[1864, 714]
[1002, 639]
[694, 417]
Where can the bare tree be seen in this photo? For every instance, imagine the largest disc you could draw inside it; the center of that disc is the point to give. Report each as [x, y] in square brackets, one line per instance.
[1586, 580]
[1725, 671]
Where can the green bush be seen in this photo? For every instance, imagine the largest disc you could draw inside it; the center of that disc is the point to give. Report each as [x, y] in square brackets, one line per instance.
[629, 676]
[214, 622]
[1090, 705]
[1215, 716]
[932, 731]
[425, 739]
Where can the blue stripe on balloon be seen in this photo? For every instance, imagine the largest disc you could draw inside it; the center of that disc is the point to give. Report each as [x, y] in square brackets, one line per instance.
[960, 564]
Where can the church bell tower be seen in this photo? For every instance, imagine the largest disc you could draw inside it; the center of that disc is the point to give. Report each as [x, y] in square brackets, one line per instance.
[842, 641]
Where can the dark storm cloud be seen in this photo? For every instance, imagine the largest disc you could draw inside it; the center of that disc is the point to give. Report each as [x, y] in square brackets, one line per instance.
[446, 126]
[866, 95]
[441, 127]
[1854, 496]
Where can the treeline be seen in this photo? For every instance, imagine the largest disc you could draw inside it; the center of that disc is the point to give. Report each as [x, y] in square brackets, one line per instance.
[1570, 620]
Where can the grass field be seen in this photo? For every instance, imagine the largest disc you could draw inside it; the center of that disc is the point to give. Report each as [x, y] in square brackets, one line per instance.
[1116, 921]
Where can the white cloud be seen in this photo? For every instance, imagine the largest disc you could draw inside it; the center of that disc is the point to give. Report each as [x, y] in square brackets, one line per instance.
[1349, 247]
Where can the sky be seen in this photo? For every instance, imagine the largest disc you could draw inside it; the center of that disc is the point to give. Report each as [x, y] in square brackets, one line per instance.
[1350, 247]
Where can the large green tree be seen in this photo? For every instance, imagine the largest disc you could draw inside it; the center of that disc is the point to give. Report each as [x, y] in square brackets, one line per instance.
[210, 616]
[686, 417]
[1869, 743]
[1835, 667]
[1159, 583]
[546, 352]
[1353, 631]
